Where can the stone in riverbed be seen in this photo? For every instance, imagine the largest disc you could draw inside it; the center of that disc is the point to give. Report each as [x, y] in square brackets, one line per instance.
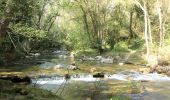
[98, 75]
[67, 76]
[144, 70]
[17, 79]
[73, 67]
[107, 60]
[57, 66]
[168, 73]
[161, 69]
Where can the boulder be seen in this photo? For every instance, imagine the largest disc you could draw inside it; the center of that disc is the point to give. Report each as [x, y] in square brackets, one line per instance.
[144, 70]
[73, 67]
[107, 60]
[67, 76]
[161, 69]
[17, 79]
[98, 58]
[98, 75]
[168, 73]
[57, 66]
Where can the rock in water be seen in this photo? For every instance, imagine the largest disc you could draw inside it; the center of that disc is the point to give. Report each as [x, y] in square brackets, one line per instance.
[144, 70]
[67, 76]
[72, 67]
[57, 66]
[98, 75]
[98, 57]
[107, 60]
[17, 79]
[121, 64]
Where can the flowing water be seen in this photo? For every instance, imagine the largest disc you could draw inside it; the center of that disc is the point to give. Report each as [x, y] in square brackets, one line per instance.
[117, 81]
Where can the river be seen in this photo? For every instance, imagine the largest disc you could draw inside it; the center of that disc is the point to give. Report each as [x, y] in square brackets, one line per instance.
[119, 80]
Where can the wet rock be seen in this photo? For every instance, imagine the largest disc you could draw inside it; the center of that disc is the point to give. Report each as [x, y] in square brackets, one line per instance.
[73, 67]
[62, 56]
[152, 70]
[128, 62]
[107, 60]
[57, 66]
[90, 59]
[67, 76]
[168, 73]
[163, 63]
[161, 69]
[144, 70]
[84, 58]
[35, 54]
[98, 58]
[98, 75]
[62, 52]
[144, 81]
[17, 79]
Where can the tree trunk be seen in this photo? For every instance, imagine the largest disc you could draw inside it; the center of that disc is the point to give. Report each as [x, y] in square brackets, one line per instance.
[130, 26]
[86, 26]
[3, 27]
[149, 31]
[146, 30]
[161, 28]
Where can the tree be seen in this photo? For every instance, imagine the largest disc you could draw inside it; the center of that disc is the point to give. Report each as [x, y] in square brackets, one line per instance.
[148, 35]
[162, 10]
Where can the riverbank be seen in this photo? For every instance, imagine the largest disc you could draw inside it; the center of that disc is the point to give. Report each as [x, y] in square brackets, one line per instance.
[12, 91]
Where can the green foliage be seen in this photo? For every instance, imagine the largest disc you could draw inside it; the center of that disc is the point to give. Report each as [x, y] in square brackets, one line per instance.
[136, 43]
[88, 52]
[121, 47]
[29, 32]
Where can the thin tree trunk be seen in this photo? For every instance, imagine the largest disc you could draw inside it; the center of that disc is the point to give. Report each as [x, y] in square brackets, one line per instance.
[86, 26]
[144, 8]
[161, 29]
[130, 26]
[3, 27]
[146, 30]
[52, 22]
[149, 30]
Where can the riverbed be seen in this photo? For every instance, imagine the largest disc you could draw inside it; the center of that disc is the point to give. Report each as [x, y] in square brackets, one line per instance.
[120, 81]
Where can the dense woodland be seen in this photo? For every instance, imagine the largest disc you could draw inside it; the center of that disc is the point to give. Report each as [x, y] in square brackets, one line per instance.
[85, 26]
[77, 25]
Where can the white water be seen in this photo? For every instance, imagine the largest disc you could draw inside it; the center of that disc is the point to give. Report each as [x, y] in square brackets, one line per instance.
[123, 76]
